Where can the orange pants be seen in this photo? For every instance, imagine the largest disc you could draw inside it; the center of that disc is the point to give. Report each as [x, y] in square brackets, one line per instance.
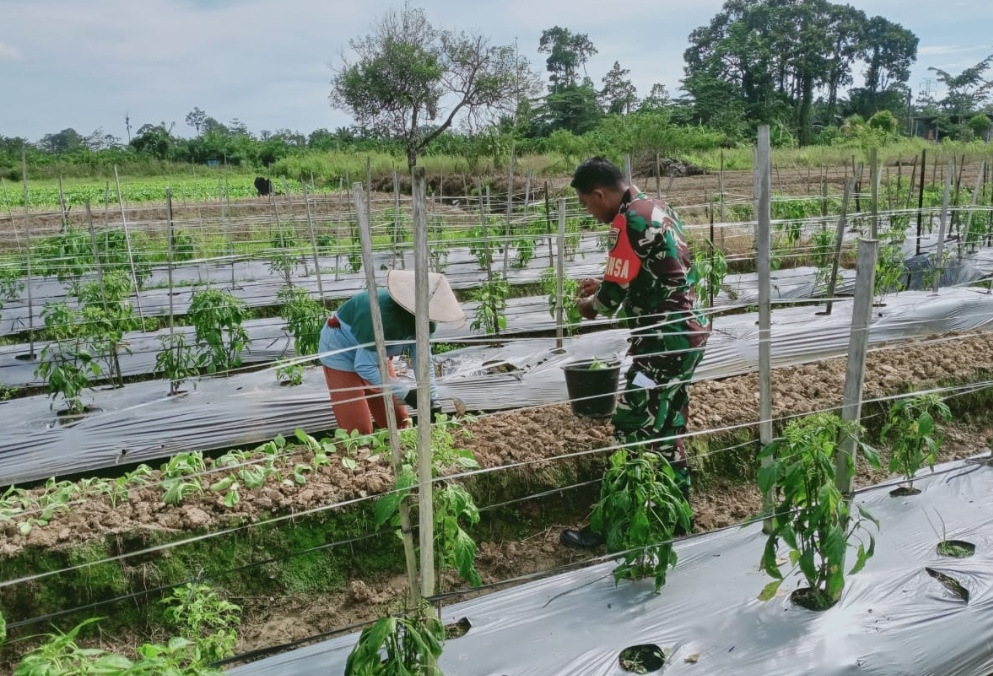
[356, 403]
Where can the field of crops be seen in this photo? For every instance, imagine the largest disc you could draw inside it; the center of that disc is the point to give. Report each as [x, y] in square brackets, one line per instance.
[172, 445]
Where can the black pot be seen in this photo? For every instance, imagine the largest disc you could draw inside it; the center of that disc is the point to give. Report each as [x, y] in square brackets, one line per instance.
[592, 392]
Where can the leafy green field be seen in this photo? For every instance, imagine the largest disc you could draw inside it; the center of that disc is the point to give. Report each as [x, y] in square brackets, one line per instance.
[329, 169]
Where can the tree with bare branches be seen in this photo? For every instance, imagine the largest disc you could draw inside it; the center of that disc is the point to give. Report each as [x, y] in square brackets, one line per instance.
[411, 82]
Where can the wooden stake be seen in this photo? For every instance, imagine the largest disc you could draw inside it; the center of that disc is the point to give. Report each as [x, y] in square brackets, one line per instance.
[117, 377]
[560, 277]
[920, 201]
[365, 234]
[27, 260]
[763, 244]
[839, 236]
[127, 241]
[313, 242]
[425, 493]
[858, 345]
[943, 228]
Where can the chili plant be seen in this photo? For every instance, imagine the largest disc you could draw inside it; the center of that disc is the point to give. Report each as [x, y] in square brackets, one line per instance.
[204, 619]
[492, 304]
[811, 515]
[11, 285]
[181, 477]
[217, 314]
[570, 306]
[304, 319]
[710, 267]
[176, 361]
[890, 264]
[916, 435]
[66, 364]
[410, 644]
[452, 503]
[106, 315]
[639, 511]
[207, 622]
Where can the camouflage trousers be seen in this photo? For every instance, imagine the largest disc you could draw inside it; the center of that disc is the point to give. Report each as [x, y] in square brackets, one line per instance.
[653, 409]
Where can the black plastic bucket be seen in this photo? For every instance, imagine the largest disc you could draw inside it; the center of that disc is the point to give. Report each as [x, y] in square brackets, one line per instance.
[592, 392]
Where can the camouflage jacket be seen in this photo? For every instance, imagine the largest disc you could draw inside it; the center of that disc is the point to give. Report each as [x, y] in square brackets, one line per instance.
[649, 269]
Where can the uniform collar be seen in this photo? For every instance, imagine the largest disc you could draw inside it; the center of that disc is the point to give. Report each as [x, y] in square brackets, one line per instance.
[629, 196]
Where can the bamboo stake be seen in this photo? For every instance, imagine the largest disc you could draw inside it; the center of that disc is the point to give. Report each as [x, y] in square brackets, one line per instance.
[365, 234]
[858, 345]
[943, 228]
[27, 259]
[425, 493]
[560, 277]
[117, 376]
[510, 210]
[839, 236]
[313, 242]
[127, 241]
[763, 243]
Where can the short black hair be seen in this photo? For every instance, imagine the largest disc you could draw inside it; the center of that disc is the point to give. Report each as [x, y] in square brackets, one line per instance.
[596, 172]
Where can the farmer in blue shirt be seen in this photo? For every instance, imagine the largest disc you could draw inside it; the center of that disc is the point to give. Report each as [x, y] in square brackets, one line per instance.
[348, 349]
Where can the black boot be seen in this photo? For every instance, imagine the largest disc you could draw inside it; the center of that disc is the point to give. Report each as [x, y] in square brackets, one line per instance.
[584, 538]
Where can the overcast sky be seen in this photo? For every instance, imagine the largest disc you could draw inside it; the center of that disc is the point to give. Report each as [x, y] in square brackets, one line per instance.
[85, 63]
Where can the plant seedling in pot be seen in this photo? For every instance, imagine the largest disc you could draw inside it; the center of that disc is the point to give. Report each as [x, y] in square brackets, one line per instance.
[811, 515]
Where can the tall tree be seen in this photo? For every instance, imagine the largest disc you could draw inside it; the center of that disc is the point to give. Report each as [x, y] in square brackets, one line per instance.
[567, 53]
[770, 57]
[888, 51]
[412, 82]
[619, 94]
[845, 30]
[196, 118]
[657, 99]
[968, 91]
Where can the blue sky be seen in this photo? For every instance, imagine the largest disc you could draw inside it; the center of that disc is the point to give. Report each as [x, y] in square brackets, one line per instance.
[85, 63]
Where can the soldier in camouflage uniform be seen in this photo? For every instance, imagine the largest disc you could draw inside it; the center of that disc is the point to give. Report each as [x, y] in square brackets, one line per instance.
[649, 276]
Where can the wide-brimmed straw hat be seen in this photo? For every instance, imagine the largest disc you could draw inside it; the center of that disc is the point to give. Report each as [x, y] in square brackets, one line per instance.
[443, 306]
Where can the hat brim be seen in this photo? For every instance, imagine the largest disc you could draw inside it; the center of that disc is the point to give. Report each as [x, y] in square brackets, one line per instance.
[443, 306]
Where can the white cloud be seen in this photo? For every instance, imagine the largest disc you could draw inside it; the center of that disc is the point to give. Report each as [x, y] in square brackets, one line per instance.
[941, 50]
[266, 63]
[9, 52]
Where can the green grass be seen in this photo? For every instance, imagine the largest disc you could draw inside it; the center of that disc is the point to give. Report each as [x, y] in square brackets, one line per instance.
[331, 169]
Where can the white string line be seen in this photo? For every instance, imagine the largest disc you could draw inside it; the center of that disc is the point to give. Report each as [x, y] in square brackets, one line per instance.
[308, 358]
[809, 222]
[450, 477]
[594, 560]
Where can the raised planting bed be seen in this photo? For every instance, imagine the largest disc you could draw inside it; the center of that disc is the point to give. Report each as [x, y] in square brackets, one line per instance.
[526, 315]
[141, 422]
[307, 532]
[707, 618]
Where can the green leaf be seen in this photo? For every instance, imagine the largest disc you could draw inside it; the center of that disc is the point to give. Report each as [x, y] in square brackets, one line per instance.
[769, 591]
[768, 474]
[465, 558]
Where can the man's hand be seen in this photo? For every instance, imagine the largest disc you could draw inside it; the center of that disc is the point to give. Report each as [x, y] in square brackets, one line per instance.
[586, 308]
[588, 287]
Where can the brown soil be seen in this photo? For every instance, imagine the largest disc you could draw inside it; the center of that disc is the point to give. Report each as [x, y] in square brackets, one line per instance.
[530, 438]
[686, 189]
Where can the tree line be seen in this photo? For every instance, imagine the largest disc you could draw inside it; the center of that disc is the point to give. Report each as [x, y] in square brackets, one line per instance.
[816, 71]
